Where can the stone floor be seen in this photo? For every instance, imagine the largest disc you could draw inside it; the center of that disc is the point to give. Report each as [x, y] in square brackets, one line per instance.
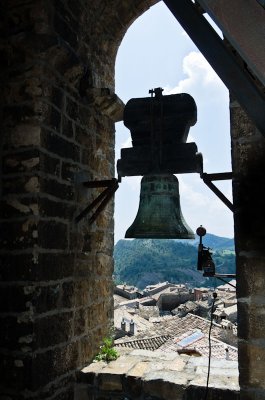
[154, 375]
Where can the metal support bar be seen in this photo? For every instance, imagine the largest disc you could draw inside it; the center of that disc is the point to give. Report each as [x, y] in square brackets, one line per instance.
[102, 199]
[220, 176]
[234, 76]
[218, 276]
[207, 179]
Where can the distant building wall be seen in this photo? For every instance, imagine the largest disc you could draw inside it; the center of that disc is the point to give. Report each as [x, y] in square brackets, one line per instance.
[129, 292]
[168, 301]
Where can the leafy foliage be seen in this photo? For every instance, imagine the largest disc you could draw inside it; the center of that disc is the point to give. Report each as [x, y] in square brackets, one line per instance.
[107, 351]
[141, 262]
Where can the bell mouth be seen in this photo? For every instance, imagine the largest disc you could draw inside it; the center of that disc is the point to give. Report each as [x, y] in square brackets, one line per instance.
[159, 214]
[131, 234]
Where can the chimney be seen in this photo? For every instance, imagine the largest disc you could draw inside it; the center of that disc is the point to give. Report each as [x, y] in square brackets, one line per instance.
[123, 325]
[132, 327]
[227, 354]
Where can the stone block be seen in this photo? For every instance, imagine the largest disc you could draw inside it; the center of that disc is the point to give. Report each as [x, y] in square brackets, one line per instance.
[81, 392]
[53, 266]
[53, 208]
[53, 235]
[70, 171]
[65, 30]
[21, 234]
[15, 298]
[68, 294]
[54, 329]
[59, 146]
[55, 362]
[139, 369]
[15, 371]
[132, 386]
[23, 135]
[150, 355]
[87, 348]
[46, 298]
[251, 320]
[54, 119]
[72, 108]
[82, 294]
[85, 138]
[177, 365]
[166, 385]
[67, 127]
[251, 364]
[57, 189]
[50, 165]
[251, 393]
[121, 366]
[242, 126]
[21, 185]
[93, 368]
[25, 161]
[110, 382]
[17, 267]
[250, 268]
[15, 207]
[16, 335]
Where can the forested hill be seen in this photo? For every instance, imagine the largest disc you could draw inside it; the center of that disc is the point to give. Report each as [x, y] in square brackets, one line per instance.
[141, 262]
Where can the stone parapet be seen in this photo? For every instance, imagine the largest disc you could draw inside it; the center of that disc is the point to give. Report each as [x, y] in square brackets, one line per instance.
[155, 375]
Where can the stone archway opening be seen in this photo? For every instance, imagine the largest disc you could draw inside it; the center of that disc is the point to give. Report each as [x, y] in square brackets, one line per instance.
[57, 277]
[157, 52]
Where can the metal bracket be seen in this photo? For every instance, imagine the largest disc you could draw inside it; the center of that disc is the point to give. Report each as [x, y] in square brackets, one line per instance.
[205, 262]
[208, 178]
[101, 200]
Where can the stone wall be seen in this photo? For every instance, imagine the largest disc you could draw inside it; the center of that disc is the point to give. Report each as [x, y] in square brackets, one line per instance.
[57, 69]
[248, 148]
[156, 375]
[57, 60]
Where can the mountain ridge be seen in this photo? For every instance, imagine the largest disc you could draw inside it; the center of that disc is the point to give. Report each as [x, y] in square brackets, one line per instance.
[147, 261]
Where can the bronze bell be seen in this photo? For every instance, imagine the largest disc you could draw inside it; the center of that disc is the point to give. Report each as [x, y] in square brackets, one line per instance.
[159, 215]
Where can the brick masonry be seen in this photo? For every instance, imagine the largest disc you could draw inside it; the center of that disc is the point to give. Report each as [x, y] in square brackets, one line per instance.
[56, 284]
[248, 147]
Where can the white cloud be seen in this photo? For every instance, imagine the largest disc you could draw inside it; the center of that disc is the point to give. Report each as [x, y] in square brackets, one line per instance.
[127, 143]
[184, 34]
[133, 182]
[200, 206]
[199, 75]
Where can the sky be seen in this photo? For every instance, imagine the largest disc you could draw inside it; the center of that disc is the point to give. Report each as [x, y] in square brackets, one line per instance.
[157, 52]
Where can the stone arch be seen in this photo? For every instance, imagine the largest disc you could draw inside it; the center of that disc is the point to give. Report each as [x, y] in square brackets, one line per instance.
[57, 287]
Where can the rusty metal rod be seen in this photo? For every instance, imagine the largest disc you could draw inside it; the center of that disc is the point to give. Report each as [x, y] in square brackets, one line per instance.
[216, 191]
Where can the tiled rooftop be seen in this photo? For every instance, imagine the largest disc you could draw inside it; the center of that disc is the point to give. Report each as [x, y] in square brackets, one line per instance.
[166, 334]
[151, 343]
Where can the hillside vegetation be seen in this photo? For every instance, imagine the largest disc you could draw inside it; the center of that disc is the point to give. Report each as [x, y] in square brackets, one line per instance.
[141, 262]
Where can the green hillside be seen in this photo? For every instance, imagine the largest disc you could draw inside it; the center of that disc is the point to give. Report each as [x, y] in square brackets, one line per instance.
[141, 262]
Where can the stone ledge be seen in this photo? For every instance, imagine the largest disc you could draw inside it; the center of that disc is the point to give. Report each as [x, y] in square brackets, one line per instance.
[156, 375]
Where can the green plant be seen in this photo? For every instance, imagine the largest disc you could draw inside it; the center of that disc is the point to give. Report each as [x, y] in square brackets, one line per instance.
[107, 351]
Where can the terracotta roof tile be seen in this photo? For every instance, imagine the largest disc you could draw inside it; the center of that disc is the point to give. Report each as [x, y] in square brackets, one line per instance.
[151, 343]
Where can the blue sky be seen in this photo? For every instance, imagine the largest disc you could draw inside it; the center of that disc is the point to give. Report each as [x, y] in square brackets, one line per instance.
[156, 52]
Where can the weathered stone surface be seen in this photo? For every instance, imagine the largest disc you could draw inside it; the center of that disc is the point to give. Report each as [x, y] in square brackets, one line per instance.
[110, 382]
[248, 147]
[136, 374]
